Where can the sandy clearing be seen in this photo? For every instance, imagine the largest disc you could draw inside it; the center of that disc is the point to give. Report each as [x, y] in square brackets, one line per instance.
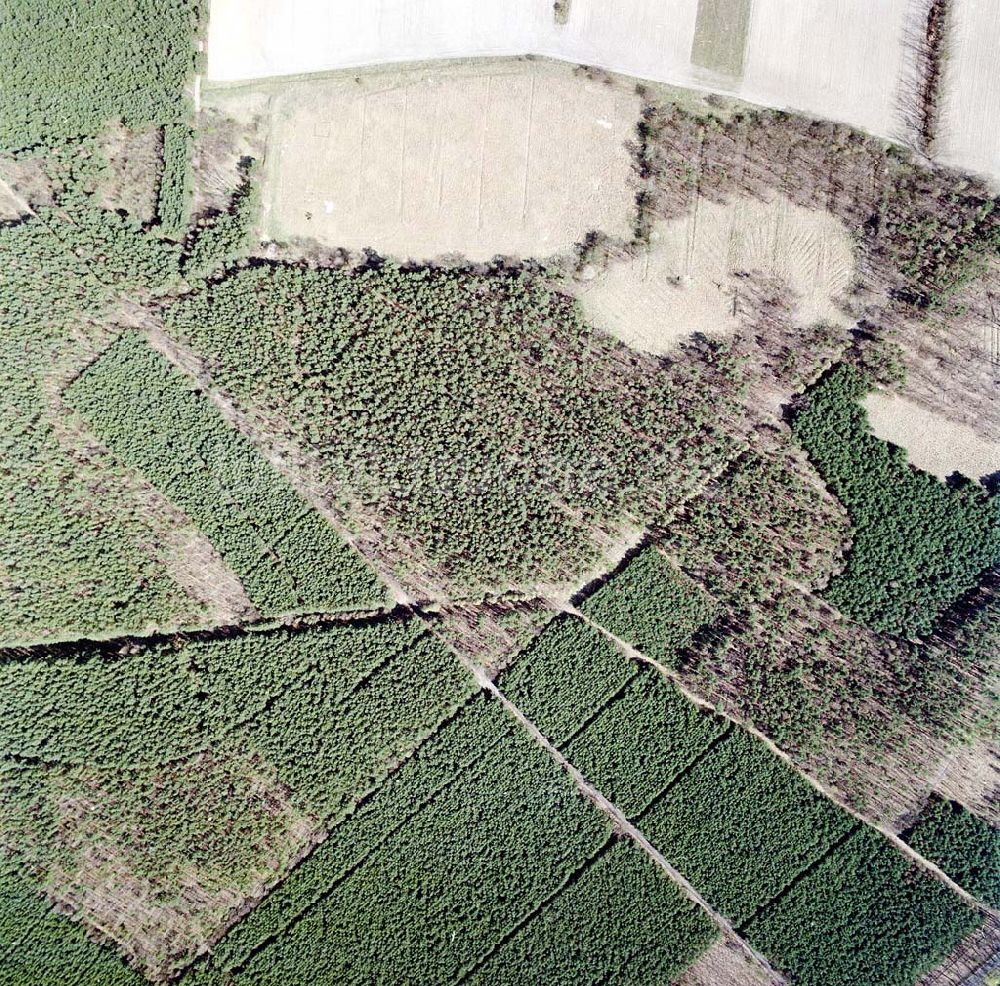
[933, 442]
[686, 281]
[971, 776]
[515, 158]
[969, 130]
[843, 60]
[723, 965]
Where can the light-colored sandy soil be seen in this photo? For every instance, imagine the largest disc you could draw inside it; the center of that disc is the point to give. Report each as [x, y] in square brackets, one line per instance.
[841, 60]
[970, 775]
[933, 442]
[844, 60]
[723, 965]
[521, 158]
[969, 128]
[687, 280]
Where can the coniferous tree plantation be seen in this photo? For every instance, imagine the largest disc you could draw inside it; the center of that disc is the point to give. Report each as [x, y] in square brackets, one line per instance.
[374, 615]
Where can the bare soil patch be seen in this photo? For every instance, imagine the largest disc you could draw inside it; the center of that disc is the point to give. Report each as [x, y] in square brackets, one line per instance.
[724, 965]
[135, 159]
[933, 442]
[517, 158]
[689, 279]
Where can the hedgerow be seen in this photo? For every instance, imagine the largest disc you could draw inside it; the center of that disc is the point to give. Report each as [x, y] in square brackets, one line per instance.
[565, 676]
[965, 846]
[285, 554]
[459, 745]
[441, 892]
[651, 605]
[741, 825]
[37, 946]
[864, 914]
[456, 405]
[128, 60]
[642, 741]
[621, 921]
[918, 545]
[176, 182]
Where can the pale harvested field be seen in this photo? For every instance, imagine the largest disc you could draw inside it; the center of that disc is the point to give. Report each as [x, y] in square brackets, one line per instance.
[969, 130]
[506, 158]
[842, 60]
[687, 280]
[933, 442]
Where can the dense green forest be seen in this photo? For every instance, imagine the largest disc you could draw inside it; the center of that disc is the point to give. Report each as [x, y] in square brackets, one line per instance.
[69, 68]
[322, 789]
[458, 405]
[917, 545]
[965, 846]
[285, 554]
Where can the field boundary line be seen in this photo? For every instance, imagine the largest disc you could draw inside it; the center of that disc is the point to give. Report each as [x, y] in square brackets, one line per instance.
[927, 865]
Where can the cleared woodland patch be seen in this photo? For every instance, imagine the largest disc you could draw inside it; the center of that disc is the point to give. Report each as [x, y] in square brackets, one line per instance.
[159, 863]
[689, 278]
[934, 443]
[513, 158]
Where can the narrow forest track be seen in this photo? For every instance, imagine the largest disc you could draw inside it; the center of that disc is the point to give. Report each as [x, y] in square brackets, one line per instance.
[621, 823]
[921, 861]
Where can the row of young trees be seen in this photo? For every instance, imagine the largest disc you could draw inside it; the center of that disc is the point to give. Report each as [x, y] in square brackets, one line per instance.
[461, 743]
[438, 896]
[651, 605]
[642, 741]
[620, 920]
[224, 755]
[285, 554]
[741, 825]
[862, 914]
[564, 676]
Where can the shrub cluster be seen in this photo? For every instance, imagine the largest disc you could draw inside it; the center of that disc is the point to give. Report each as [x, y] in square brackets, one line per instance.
[286, 555]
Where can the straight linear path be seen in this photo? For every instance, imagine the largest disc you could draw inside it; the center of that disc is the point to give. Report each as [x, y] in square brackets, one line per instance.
[621, 823]
[925, 864]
